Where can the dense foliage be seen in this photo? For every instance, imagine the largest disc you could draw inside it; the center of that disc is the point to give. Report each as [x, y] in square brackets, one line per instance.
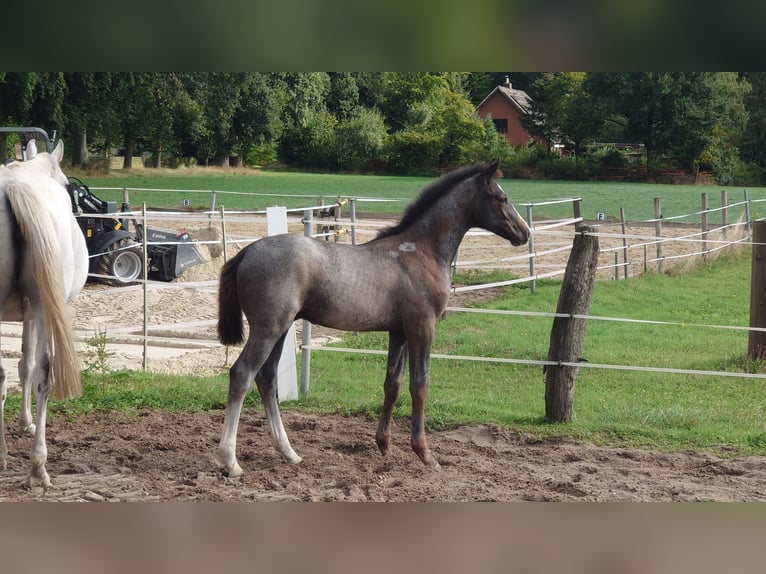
[399, 122]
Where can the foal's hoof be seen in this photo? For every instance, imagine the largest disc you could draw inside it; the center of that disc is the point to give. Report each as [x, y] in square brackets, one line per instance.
[430, 461]
[382, 446]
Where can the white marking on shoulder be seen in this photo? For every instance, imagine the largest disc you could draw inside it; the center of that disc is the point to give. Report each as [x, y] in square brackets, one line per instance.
[407, 246]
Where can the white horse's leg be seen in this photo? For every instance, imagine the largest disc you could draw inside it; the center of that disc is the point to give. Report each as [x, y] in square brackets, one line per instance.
[3, 444]
[40, 379]
[26, 366]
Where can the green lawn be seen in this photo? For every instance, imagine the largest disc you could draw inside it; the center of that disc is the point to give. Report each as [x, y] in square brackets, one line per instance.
[655, 409]
[242, 189]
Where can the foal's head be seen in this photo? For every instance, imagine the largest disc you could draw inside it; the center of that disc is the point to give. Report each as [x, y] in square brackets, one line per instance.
[492, 211]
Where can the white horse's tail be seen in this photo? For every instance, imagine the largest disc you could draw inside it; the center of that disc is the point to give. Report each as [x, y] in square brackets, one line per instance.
[36, 228]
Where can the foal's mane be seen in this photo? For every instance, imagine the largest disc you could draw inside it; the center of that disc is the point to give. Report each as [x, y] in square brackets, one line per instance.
[430, 195]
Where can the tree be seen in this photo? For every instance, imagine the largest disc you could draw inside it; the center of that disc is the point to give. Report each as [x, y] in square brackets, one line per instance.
[360, 139]
[17, 93]
[674, 114]
[343, 96]
[219, 97]
[455, 120]
[308, 124]
[81, 109]
[259, 117]
[752, 143]
[731, 117]
[556, 105]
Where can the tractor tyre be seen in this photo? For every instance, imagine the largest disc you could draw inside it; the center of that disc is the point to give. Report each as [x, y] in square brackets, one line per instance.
[123, 263]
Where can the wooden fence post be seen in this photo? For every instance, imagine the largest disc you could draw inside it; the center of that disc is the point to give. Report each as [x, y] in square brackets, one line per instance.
[756, 345]
[568, 333]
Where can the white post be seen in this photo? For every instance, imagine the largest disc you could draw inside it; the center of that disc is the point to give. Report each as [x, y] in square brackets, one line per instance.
[287, 379]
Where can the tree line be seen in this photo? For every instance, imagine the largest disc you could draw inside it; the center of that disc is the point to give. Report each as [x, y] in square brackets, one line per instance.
[395, 122]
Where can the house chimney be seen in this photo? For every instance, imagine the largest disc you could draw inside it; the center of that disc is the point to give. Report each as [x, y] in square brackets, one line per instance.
[507, 82]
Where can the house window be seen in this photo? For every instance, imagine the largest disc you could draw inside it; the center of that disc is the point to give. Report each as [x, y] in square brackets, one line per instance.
[501, 126]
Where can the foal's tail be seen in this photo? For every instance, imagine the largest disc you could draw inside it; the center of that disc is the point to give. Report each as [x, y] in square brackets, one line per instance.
[37, 232]
[230, 325]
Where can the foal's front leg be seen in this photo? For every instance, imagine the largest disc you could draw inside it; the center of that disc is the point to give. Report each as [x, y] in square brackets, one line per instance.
[419, 364]
[397, 359]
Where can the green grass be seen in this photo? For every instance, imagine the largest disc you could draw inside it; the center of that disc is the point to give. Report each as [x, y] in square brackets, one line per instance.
[245, 189]
[658, 410]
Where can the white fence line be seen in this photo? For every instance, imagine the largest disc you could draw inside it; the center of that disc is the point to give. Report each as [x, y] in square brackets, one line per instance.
[540, 230]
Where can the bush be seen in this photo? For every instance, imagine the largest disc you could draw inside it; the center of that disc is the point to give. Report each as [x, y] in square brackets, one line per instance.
[414, 153]
[260, 154]
[746, 173]
[360, 140]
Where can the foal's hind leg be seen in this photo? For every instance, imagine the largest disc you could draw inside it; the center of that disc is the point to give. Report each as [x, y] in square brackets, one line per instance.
[250, 365]
[397, 359]
[266, 379]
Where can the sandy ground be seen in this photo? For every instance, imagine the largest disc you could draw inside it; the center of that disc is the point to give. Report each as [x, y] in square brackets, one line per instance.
[157, 455]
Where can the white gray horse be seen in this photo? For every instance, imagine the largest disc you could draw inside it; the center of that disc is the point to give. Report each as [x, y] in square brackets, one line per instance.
[43, 265]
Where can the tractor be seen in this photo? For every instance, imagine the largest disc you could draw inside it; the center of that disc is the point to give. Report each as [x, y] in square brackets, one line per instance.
[116, 253]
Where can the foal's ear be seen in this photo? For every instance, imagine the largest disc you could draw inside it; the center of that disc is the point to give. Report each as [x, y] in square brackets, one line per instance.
[491, 169]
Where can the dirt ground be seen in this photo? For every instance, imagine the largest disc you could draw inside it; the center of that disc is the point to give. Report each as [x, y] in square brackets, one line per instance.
[156, 455]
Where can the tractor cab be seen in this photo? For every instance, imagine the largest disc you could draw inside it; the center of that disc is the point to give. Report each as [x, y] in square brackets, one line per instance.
[116, 254]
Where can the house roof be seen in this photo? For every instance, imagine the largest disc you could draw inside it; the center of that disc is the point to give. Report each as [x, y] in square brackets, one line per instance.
[518, 98]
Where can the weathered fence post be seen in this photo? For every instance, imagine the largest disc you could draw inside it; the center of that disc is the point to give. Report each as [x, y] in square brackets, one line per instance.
[568, 332]
[658, 230]
[756, 345]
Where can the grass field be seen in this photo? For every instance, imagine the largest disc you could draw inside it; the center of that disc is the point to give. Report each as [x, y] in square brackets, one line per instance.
[250, 189]
[661, 410]
[655, 409]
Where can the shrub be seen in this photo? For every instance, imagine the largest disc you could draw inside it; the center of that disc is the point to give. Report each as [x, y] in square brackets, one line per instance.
[360, 140]
[747, 173]
[414, 153]
[262, 153]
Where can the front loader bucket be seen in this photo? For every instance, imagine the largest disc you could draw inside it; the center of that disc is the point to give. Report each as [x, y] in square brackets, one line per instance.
[169, 261]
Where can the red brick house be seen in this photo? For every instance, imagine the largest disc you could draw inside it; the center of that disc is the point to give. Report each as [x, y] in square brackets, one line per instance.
[506, 105]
